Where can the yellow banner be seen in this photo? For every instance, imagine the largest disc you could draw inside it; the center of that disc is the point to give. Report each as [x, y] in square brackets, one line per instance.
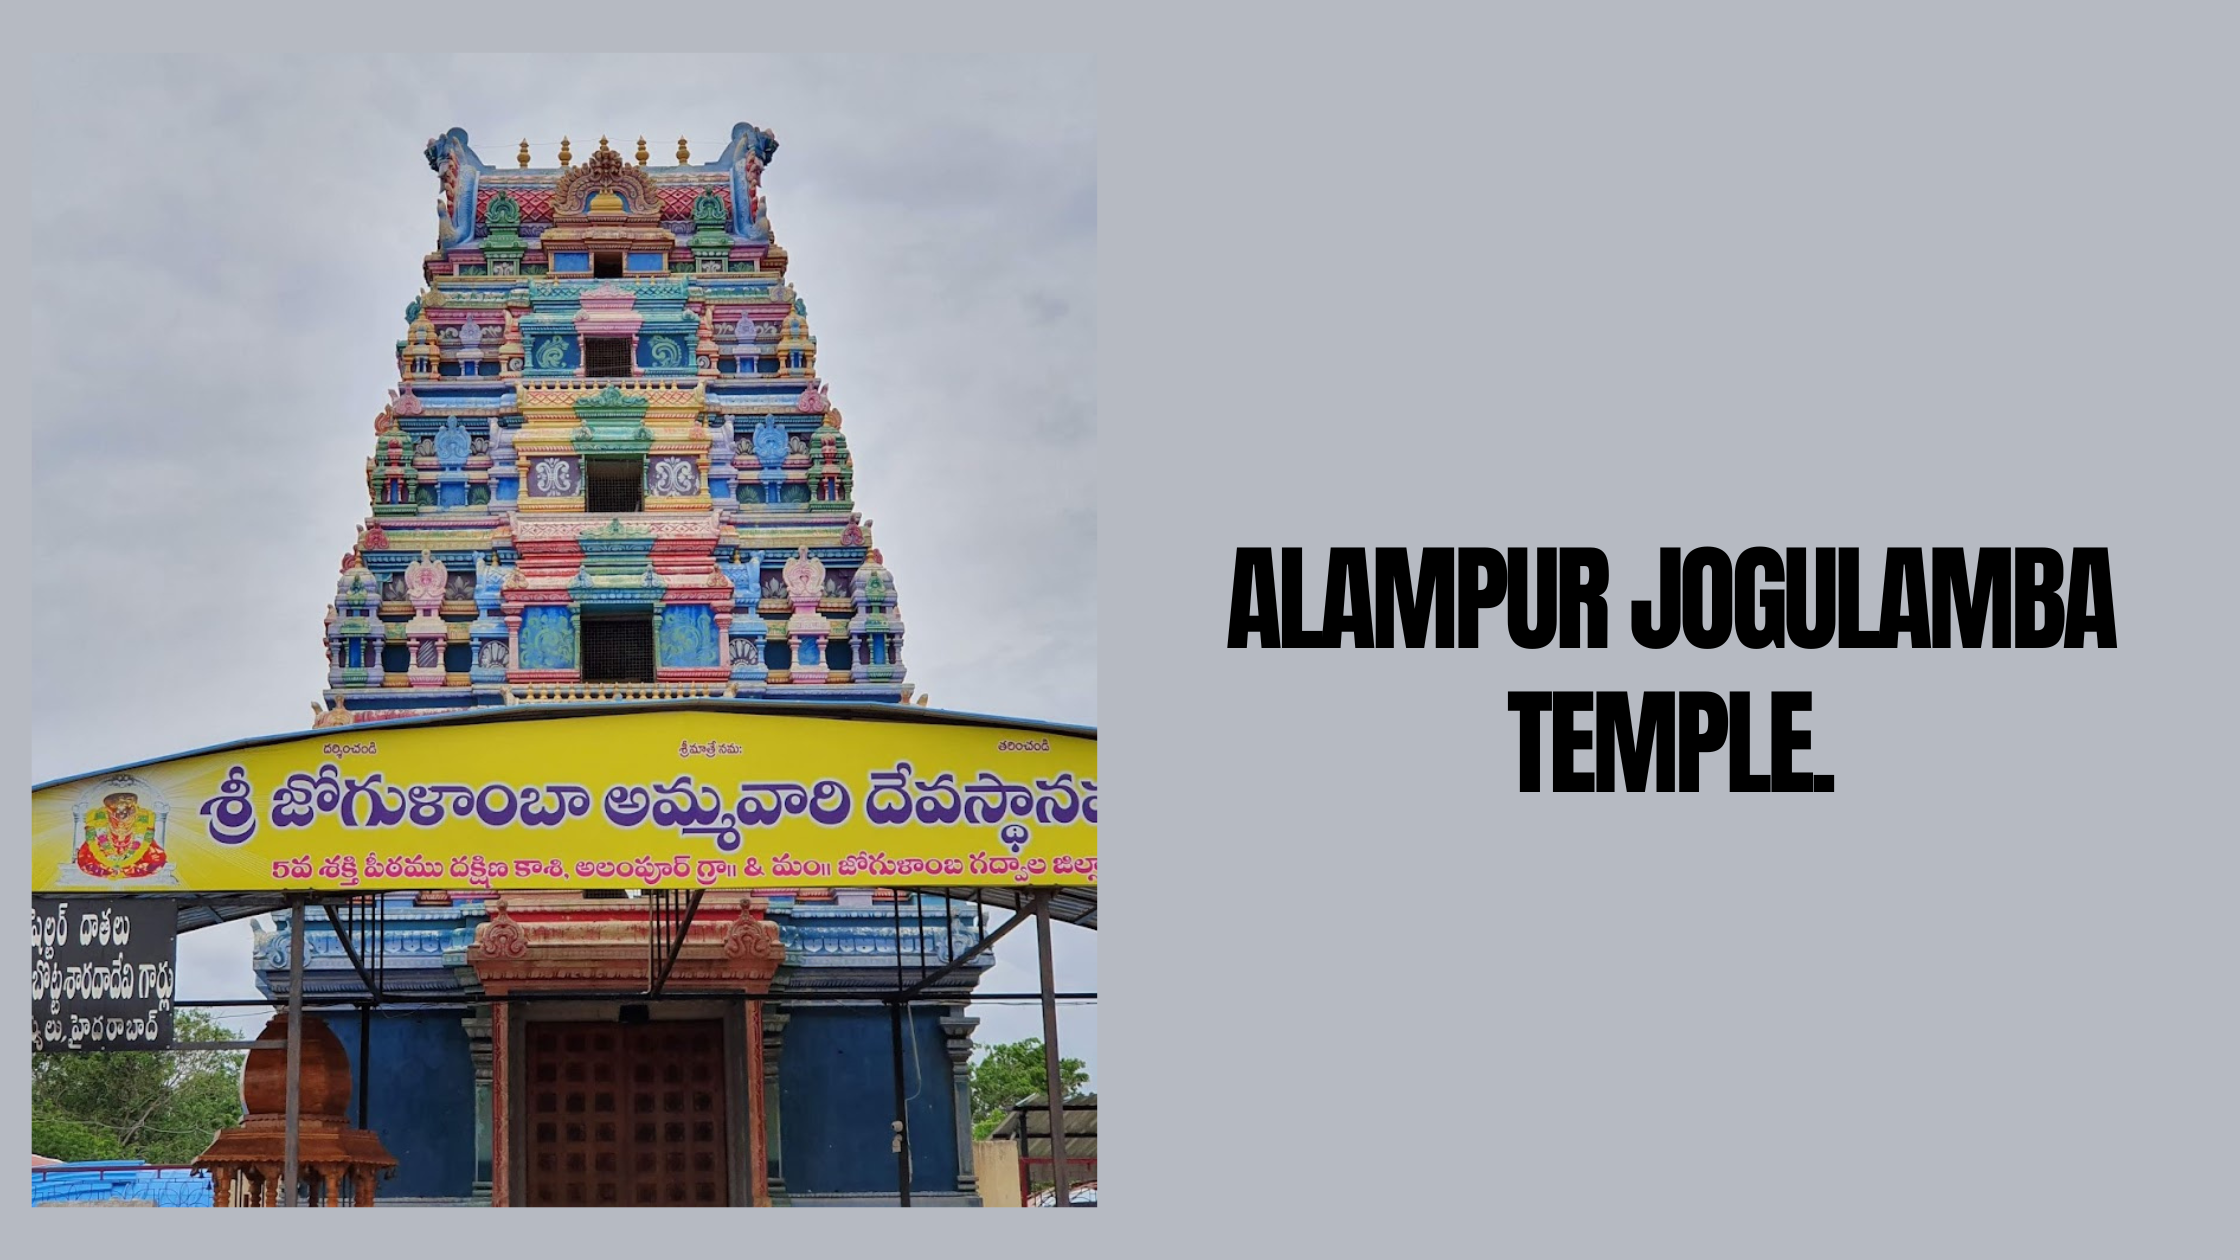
[691, 798]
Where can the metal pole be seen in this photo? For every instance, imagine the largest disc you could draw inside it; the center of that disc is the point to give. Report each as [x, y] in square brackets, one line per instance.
[986, 942]
[365, 1060]
[1057, 1112]
[853, 997]
[292, 1143]
[901, 1118]
[676, 940]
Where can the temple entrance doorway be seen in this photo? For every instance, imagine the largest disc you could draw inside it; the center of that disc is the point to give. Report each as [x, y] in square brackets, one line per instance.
[627, 1115]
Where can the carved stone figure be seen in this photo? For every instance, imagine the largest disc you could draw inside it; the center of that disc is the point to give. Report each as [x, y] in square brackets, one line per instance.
[452, 445]
[424, 581]
[769, 443]
[804, 576]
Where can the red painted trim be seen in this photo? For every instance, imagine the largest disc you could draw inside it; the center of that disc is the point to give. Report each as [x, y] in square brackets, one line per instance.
[501, 1109]
[758, 1141]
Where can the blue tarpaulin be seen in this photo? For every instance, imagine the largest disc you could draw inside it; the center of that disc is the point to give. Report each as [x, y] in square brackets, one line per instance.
[120, 1183]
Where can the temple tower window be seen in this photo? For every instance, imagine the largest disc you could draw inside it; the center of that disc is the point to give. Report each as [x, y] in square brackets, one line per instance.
[614, 485]
[606, 356]
[606, 266]
[618, 648]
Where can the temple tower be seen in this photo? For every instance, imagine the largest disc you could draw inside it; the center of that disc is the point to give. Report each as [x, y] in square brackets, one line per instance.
[607, 451]
[609, 473]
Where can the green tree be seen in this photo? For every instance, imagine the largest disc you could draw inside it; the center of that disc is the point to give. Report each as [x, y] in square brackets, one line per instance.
[72, 1141]
[158, 1106]
[1012, 1071]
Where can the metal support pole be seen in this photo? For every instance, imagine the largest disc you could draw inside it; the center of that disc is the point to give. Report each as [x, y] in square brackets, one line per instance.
[1026, 1150]
[984, 944]
[365, 1060]
[350, 938]
[292, 1143]
[901, 1118]
[664, 965]
[1056, 1090]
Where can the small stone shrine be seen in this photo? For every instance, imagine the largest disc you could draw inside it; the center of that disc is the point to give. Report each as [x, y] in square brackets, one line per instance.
[337, 1165]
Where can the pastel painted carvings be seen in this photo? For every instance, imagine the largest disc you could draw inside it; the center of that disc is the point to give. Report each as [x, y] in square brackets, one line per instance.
[542, 441]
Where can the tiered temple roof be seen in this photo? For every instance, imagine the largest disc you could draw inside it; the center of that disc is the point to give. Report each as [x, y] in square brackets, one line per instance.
[609, 470]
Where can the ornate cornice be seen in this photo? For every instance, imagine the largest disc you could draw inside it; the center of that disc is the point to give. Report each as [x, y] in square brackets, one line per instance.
[570, 526]
[605, 171]
[564, 943]
[564, 394]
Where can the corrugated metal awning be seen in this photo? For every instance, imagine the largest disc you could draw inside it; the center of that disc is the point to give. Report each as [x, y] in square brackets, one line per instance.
[1069, 904]
[1034, 1112]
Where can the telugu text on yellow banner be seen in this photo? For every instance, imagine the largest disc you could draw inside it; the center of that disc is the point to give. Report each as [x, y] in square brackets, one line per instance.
[692, 798]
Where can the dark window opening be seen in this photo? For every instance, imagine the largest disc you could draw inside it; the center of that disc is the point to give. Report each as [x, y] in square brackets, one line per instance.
[614, 485]
[606, 266]
[618, 649]
[606, 356]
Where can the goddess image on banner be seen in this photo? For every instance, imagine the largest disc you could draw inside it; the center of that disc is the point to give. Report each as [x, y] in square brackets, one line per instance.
[118, 825]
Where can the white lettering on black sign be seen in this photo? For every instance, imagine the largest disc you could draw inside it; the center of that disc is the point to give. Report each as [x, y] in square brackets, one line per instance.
[102, 971]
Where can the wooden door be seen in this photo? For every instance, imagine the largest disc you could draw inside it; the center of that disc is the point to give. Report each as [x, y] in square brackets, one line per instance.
[627, 1115]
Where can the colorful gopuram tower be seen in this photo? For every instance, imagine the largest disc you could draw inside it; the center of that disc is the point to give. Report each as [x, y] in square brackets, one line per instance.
[608, 474]
[609, 470]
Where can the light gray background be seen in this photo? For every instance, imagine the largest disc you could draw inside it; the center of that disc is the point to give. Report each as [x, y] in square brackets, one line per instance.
[1965, 278]
[1676, 281]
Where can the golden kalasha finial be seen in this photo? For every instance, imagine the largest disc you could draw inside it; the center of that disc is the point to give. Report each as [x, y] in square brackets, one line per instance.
[642, 155]
[602, 144]
[684, 154]
[563, 150]
[522, 158]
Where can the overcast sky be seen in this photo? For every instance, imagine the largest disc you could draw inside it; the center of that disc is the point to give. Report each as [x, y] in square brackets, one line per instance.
[222, 280]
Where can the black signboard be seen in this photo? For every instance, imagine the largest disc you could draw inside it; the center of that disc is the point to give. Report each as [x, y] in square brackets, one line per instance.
[101, 973]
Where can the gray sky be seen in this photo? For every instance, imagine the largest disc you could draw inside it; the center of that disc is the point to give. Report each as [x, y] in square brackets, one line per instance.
[224, 281]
